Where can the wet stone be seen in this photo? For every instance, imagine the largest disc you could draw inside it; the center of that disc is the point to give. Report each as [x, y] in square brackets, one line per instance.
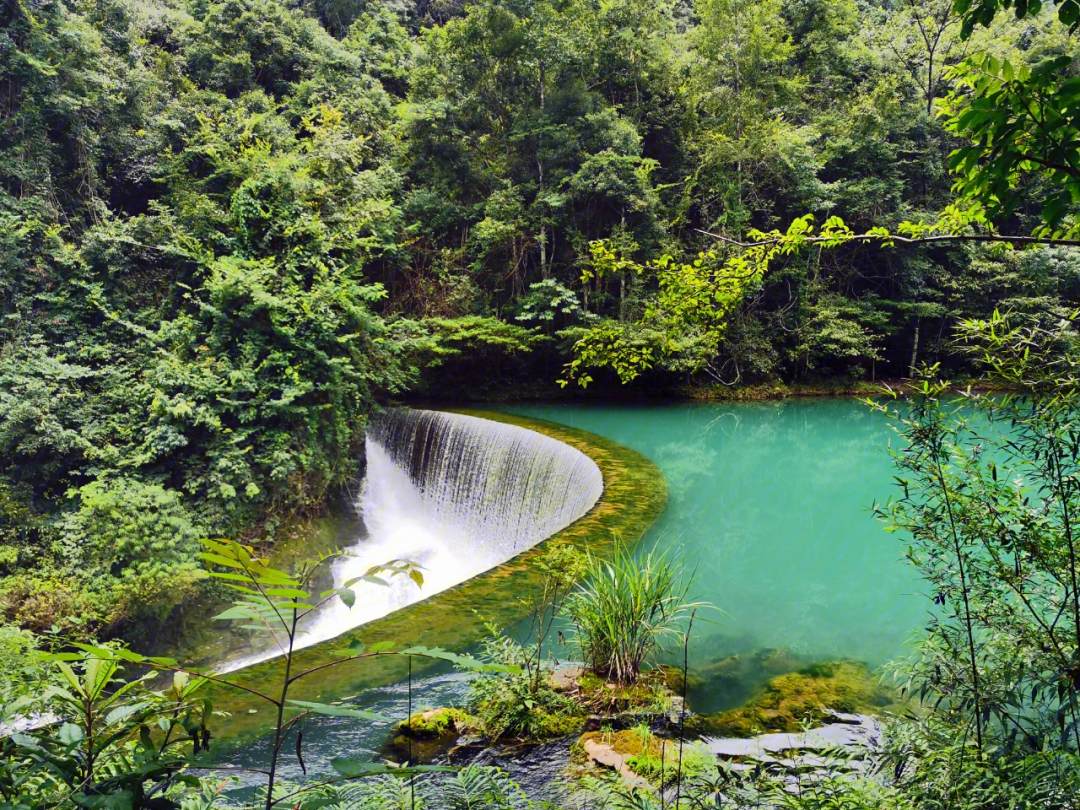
[866, 734]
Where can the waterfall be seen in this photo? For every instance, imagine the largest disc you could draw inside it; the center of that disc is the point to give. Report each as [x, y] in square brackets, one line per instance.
[456, 495]
[498, 488]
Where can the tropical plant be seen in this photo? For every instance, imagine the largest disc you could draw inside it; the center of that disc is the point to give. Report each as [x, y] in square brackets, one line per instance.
[517, 704]
[524, 703]
[473, 787]
[626, 609]
[91, 738]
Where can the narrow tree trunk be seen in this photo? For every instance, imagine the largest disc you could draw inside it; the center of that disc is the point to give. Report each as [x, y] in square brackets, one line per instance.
[915, 347]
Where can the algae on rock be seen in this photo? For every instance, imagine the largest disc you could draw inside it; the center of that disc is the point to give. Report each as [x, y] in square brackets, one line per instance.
[655, 759]
[790, 701]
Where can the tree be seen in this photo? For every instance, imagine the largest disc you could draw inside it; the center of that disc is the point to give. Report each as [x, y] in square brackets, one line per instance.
[1020, 120]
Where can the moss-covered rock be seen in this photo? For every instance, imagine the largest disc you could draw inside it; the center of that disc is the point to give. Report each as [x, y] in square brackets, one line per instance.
[806, 696]
[434, 723]
[734, 680]
[428, 735]
[672, 679]
[651, 694]
[637, 750]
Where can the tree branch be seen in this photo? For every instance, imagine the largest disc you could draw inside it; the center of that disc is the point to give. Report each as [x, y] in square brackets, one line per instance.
[923, 240]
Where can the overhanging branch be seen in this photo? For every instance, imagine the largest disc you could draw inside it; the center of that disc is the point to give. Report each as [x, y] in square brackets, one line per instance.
[905, 240]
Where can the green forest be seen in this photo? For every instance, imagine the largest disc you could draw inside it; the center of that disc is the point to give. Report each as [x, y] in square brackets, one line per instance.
[234, 231]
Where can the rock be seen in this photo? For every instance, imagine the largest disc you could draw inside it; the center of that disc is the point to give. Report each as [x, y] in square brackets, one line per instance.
[434, 723]
[846, 746]
[565, 679]
[30, 722]
[839, 717]
[863, 734]
[605, 755]
[825, 692]
[675, 713]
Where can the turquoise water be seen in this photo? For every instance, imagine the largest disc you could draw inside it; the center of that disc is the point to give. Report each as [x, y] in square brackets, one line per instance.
[770, 502]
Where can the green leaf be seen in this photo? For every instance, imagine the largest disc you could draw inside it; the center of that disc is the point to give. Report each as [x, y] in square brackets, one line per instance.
[292, 605]
[291, 593]
[123, 712]
[464, 661]
[70, 734]
[1069, 12]
[236, 612]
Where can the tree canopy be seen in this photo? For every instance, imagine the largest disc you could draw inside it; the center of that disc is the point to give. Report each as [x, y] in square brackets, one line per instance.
[232, 230]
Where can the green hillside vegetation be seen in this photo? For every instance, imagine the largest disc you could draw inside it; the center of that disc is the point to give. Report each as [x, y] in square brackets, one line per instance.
[231, 229]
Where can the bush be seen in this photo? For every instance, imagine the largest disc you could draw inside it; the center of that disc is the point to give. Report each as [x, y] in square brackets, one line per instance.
[625, 610]
[126, 553]
[516, 704]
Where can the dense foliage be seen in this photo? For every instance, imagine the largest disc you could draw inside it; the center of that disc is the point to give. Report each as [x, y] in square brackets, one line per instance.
[231, 229]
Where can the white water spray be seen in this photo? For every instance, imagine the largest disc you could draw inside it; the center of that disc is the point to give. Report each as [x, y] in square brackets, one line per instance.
[456, 495]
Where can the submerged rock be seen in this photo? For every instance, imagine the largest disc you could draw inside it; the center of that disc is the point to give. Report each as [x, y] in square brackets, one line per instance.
[813, 694]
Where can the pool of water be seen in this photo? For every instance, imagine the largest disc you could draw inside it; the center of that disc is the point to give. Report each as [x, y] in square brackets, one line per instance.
[770, 503]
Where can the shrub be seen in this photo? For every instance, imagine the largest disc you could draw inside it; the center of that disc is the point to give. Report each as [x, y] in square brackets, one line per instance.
[625, 609]
[514, 704]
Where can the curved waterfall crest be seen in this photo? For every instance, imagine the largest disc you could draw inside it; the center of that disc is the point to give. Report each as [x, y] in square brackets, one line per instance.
[500, 487]
[456, 495]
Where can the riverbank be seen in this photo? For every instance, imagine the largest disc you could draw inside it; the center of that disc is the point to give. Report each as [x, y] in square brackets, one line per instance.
[547, 390]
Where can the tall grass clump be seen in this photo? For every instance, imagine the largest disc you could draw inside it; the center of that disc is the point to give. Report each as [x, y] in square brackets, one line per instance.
[625, 609]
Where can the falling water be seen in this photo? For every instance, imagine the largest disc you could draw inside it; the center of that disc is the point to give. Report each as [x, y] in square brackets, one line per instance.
[456, 495]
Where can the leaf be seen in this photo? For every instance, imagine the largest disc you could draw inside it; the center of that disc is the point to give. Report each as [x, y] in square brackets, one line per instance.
[292, 605]
[123, 712]
[347, 596]
[464, 661]
[352, 768]
[374, 580]
[338, 711]
[180, 681]
[217, 559]
[70, 734]
[236, 612]
[291, 593]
